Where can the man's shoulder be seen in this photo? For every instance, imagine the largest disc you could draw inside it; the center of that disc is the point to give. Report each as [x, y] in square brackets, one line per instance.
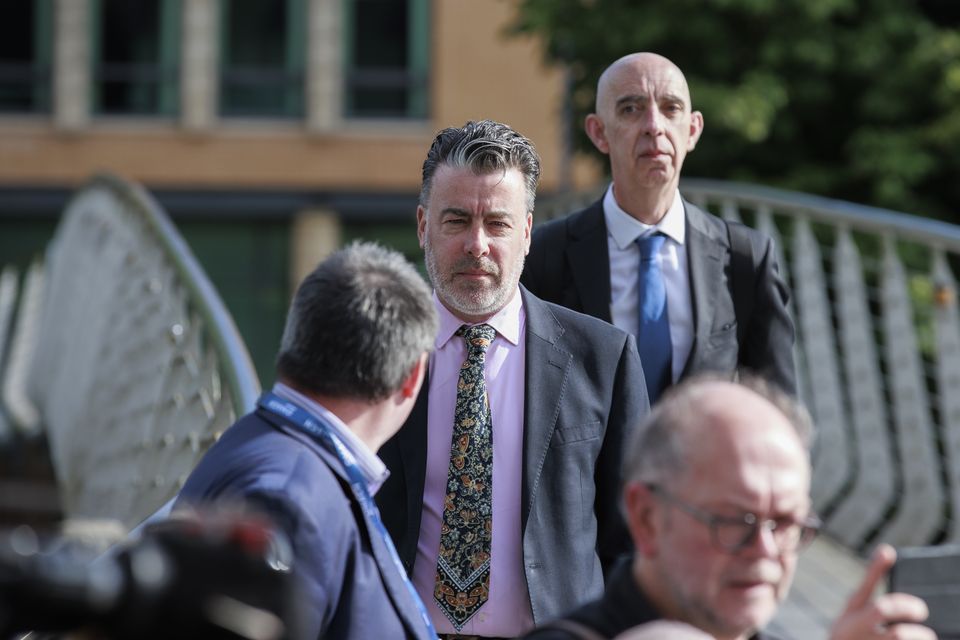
[575, 222]
[586, 323]
[257, 455]
[622, 606]
[259, 439]
[721, 229]
[581, 324]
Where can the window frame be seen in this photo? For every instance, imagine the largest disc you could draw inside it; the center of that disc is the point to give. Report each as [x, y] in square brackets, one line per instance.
[37, 75]
[293, 86]
[415, 79]
[165, 71]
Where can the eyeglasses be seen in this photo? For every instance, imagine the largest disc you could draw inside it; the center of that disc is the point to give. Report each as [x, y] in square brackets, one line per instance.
[733, 534]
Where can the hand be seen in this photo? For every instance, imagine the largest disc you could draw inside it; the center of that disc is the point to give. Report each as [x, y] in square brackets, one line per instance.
[891, 615]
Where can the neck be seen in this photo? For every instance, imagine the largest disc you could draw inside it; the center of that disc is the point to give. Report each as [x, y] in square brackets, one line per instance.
[365, 418]
[646, 205]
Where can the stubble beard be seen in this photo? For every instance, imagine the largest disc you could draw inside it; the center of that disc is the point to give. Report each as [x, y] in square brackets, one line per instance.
[472, 299]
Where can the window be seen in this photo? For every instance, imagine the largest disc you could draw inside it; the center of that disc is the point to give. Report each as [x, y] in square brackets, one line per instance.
[386, 58]
[262, 57]
[25, 52]
[136, 57]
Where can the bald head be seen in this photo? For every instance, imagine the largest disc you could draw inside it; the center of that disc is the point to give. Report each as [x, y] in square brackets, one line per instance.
[645, 124]
[718, 504]
[638, 65]
[664, 630]
[722, 413]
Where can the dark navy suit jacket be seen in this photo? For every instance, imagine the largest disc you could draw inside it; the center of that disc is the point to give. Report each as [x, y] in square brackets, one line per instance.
[569, 264]
[353, 588]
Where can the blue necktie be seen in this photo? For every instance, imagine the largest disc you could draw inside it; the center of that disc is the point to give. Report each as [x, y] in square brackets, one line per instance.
[653, 335]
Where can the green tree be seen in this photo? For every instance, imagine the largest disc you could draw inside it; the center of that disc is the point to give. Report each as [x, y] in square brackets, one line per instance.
[854, 99]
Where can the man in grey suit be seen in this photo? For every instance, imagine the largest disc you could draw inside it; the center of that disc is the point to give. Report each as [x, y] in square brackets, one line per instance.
[725, 302]
[502, 497]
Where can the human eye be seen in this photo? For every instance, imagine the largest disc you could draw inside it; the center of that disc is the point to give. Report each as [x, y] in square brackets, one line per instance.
[732, 533]
[499, 224]
[788, 529]
[673, 108]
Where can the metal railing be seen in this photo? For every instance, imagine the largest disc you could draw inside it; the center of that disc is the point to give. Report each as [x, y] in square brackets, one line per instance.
[878, 354]
[138, 366]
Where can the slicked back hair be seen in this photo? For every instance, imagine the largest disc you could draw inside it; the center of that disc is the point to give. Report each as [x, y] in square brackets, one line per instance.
[656, 453]
[483, 147]
[357, 325]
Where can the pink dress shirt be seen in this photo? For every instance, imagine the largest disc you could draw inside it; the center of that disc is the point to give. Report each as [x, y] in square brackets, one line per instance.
[507, 613]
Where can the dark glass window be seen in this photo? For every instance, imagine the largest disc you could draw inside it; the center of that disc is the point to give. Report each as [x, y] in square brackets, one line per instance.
[386, 75]
[262, 57]
[25, 56]
[136, 60]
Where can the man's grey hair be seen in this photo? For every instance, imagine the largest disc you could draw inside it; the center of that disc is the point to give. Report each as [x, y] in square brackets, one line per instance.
[656, 453]
[483, 147]
[357, 325]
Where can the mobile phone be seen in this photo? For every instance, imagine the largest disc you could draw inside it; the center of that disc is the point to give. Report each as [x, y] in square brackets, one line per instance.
[932, 573]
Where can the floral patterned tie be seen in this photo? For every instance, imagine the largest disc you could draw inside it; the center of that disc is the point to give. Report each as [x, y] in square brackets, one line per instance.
[463, 566]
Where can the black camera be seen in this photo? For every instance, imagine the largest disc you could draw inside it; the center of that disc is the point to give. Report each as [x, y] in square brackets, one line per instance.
[193, 576]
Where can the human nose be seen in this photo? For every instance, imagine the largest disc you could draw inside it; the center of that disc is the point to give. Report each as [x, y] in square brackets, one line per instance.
[652, 122]
[477, 242]
[763, 541]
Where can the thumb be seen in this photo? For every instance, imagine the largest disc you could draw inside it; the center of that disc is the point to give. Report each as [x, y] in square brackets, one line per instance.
[881, 560]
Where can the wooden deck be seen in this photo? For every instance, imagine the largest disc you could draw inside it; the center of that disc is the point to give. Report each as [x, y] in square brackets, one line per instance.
[827, 575]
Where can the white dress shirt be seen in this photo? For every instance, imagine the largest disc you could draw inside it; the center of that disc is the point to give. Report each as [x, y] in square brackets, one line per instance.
[622, 233]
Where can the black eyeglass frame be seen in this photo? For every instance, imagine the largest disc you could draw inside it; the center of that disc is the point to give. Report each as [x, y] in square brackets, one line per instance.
[809, 526]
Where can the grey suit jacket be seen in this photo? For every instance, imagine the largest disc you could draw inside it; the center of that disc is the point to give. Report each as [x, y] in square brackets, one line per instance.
[584, 396]
[569, 264]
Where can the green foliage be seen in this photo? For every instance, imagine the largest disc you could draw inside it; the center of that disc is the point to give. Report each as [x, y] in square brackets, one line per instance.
[854, 99]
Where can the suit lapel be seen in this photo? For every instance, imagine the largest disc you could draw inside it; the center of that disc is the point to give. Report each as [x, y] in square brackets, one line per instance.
[545, 373]
[705, 260]
[588, 255]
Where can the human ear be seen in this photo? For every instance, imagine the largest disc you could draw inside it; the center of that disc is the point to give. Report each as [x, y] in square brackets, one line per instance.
[596, 131]
[640, 508]
[696, 129]
[421, 224]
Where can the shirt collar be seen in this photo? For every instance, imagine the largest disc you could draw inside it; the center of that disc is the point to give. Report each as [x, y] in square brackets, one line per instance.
[372, 469]
[507, 321]
[625, 229]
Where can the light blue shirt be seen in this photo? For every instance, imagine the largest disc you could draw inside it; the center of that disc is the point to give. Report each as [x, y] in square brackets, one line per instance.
[622, 233]
[374, 472]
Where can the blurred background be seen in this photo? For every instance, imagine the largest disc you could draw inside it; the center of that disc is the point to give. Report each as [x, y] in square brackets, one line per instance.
[275, 130]
[272, 131]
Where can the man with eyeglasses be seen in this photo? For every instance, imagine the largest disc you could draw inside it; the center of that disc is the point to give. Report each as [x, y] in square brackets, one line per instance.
[717, 501]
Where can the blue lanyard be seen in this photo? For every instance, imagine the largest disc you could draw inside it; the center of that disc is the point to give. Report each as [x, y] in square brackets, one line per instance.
[325, 436]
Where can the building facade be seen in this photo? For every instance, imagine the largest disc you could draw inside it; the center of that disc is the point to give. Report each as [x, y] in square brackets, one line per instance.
[271, 130]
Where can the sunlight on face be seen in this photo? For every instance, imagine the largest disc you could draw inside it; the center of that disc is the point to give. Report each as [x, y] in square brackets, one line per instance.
[475, 233]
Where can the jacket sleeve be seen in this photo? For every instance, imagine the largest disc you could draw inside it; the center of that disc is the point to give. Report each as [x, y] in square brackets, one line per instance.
[629, 408]
[768, 340]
